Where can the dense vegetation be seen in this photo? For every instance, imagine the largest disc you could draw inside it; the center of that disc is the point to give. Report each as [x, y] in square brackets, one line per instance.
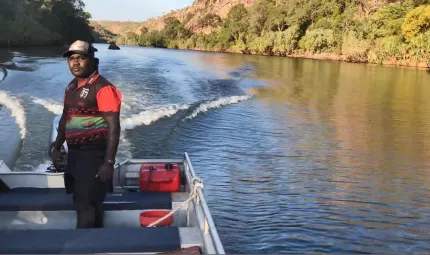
[376, 31]
[43, 22]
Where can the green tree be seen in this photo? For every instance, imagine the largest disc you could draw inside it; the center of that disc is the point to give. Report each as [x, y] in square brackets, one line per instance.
[318, 40]
[386, 21]
[260, 15]
[355, 49]
[237, 21]
[209, 19]
[416, 21]
[41, 22]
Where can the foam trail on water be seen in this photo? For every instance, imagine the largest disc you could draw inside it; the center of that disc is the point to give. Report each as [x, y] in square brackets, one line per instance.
[124, 148]
[217, 103]
[50, 105]
[42, 167]
[16, 109]
[149, 116]
[3, 73]
[57, 108]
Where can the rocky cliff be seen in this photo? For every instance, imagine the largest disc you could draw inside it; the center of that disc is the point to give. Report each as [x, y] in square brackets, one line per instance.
[190, 15]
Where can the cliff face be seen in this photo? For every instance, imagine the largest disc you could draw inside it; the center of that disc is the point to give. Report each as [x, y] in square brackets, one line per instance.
[197, 11]
[116, 27]
[191, 14]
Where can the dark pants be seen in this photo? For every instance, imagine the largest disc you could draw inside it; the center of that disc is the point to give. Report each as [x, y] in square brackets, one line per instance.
[88, 191]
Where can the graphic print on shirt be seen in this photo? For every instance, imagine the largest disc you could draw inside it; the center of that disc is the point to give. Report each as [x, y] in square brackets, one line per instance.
[85, 124]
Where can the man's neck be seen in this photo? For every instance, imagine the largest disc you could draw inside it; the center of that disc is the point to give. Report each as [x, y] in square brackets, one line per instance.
[84, 79]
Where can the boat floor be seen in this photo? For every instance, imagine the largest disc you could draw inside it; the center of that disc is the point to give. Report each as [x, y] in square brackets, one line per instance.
[22, 230]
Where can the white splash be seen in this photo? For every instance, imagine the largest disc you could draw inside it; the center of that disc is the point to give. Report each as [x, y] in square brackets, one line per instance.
[50, 105]
[217, 103]
[42, 167]
[3, 74]
[124, 148]
[16, 109]
[149, 116]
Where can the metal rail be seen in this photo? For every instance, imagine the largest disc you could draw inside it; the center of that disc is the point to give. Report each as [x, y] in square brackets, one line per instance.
[207, 226]
[211, 225]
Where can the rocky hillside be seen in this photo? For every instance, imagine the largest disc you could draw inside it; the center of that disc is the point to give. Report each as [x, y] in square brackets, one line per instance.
[117, 27]
[190, 16]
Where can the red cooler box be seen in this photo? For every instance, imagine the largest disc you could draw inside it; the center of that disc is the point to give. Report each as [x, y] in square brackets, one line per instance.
[160, 177]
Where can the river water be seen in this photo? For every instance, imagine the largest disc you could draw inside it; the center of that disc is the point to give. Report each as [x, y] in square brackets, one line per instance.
[297, 156]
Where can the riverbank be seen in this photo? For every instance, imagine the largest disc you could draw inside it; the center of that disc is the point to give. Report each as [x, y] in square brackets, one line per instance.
[404, 63]
[394, 62]
[342, 58]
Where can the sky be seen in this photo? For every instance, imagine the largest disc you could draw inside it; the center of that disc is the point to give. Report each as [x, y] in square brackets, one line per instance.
[131, 10]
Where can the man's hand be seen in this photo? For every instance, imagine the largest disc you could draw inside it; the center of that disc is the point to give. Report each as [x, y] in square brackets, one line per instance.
[56, 156]
[105, 172]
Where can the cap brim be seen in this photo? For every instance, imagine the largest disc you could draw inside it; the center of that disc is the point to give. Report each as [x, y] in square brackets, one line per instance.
[69, 52]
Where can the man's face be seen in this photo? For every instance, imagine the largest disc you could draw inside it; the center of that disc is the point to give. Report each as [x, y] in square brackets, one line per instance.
[81, 66]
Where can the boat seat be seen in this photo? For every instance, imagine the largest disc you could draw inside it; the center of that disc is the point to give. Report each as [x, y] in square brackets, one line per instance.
[89, 241]
[30, 199]
[38, 190]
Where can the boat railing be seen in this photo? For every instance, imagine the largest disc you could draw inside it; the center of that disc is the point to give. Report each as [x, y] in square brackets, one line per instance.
[211, 239]
[204, 217]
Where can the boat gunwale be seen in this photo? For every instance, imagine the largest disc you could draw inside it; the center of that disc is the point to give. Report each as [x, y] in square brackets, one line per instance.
[204, 216]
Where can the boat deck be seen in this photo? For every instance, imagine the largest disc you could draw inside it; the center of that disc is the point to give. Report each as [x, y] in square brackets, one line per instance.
[37, 216]
[42, 221]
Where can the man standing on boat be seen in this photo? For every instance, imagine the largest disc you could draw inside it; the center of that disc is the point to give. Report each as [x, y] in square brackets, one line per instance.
[90, 124]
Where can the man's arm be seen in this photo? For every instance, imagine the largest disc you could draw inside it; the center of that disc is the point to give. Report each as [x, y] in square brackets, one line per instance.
[55, 152]
[109, 103]
[114, 129]
[61, 132]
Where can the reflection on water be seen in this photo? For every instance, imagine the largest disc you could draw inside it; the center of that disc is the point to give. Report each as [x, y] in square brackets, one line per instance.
[373, 111]
[377, 116]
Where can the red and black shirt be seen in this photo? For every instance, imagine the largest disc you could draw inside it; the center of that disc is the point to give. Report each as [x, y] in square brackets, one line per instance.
[84, 104]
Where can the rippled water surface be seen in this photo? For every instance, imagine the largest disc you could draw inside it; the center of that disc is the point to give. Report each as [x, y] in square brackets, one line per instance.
[297, 156]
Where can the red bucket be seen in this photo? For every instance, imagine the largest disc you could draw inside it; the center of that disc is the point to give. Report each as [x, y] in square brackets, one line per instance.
[148, 217]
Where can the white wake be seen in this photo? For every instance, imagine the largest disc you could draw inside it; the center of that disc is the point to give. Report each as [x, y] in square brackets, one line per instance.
[149, 116]
[217, 103]
[17, 111]
[42, 167]
[50, 105]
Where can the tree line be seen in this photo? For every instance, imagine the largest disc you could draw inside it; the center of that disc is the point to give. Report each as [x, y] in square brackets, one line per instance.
[375, 31]
[43, 22]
